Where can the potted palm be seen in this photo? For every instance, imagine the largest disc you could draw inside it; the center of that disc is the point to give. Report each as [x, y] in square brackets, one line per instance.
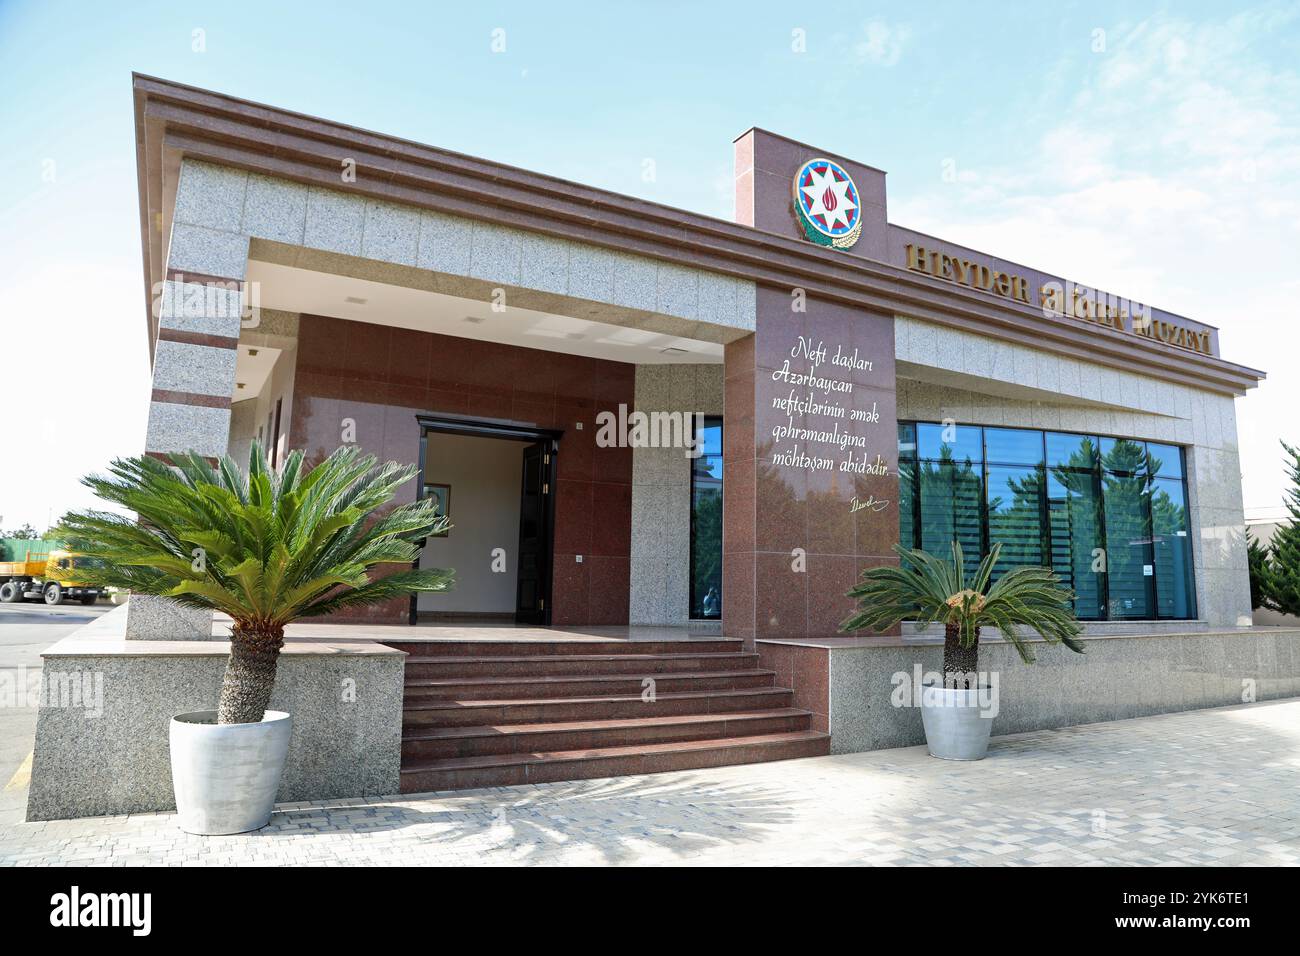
[926, 589]
[266, 547]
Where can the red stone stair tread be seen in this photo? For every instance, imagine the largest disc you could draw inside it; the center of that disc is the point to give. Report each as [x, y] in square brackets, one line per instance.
[580, 678]
[570, 642]
[443, 704]
[445, 733]
[640, 750]
[573, 658]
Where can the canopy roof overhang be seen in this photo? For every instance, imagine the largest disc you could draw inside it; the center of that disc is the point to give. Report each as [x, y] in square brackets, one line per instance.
[174, 121]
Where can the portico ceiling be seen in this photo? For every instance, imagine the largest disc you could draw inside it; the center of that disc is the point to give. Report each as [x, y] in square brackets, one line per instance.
[345, 297]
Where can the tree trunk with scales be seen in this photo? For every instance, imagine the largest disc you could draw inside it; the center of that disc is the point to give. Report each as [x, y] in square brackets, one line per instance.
[960, 663]
[250, 673]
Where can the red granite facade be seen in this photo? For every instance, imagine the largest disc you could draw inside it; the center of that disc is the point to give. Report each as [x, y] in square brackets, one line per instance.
[795, 537]
[380, 377]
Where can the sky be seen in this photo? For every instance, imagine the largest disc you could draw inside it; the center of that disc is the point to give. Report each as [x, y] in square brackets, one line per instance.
[1152, 150]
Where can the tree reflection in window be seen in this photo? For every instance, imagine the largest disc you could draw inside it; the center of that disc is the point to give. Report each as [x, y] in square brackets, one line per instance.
[1109, 515]
[706, 524]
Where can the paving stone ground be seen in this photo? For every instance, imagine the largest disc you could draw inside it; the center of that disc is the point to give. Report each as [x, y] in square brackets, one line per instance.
[1203, 787]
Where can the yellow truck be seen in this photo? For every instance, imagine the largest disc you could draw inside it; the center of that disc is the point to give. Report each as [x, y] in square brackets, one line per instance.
[38, 576]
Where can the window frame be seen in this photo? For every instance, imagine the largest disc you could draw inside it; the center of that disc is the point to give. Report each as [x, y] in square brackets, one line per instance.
[704, 422]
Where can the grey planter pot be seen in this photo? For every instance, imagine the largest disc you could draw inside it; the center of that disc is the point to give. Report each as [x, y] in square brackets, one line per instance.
[955, 727]
[226, 775]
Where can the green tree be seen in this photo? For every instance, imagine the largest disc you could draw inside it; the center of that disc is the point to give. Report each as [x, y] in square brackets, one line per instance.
[25, 533]
[266, 547]
[1280, 589]
[1261, 565]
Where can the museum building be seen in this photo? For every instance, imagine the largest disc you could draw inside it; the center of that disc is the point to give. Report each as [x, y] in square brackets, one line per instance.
[647, 423]
[808, 384]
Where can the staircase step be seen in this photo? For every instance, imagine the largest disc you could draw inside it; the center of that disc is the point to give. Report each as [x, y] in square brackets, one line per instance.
[509, 648]
[460, 773]
[638, 665]
[463, 713]
[445, 742]
[578, 685]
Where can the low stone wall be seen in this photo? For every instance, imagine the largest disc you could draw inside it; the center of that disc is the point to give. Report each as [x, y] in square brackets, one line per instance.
[102, 729]
[1119, 677]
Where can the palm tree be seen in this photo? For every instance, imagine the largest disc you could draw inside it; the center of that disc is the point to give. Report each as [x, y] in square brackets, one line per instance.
[926, 589]
[266, 547]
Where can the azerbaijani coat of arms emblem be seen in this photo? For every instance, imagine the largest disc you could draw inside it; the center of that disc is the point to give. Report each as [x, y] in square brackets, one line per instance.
[826, 204]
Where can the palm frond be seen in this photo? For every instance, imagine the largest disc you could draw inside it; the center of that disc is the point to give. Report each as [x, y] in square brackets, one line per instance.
[264, 546]
[927, 590]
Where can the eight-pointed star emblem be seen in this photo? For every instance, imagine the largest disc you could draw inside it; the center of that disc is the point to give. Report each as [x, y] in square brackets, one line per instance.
[826, 202]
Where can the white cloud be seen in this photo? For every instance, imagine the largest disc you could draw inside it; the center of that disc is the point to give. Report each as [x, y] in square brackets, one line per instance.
[880, 43]
[1171, 178]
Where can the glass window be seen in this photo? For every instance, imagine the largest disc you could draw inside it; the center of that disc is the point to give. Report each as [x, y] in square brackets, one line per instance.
[1015, 509]
[1075, 546]
[958, 442]
[906, 440]
[1130, 567]
[951, 499]
[906, 503]
[1013, 446]
[1165, 460]
[1171, 537]
[1123, 457]
[1108, 515]
[1066, 450]
[706, 523]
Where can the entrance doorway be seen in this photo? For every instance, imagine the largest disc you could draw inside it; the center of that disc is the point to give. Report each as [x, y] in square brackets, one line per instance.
[495, 480]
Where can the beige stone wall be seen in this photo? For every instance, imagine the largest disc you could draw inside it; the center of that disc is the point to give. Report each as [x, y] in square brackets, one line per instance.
[661, 494]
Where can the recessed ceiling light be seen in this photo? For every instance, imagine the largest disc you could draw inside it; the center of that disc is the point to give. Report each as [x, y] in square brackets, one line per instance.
[356, 301]
[252, 352]
[474, 319]
[575, 335]
[239, 385]
[673, 350]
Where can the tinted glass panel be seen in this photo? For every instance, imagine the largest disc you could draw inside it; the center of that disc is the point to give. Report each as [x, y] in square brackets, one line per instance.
[1166, 460]
[706, 524]
[1175, 592]
[1013, 446]
[906, 440]
[1108, 515]
[1071, 451]
[958, 442]
[951, 496]
[1124, 457]
[1130, 566]
[906, 504]
[1075, 542]
[1015, 502]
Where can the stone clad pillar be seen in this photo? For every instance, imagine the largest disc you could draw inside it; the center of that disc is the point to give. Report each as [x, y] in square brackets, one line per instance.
[199, 317]
[810, 451]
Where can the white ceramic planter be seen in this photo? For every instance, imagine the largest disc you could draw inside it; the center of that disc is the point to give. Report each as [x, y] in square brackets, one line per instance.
[226, 775]
[955, 726]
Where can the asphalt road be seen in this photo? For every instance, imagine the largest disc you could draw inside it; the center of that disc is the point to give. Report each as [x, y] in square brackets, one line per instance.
[26, 629]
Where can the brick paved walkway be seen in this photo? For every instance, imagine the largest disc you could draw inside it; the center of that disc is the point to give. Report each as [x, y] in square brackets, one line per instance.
[1203, 787]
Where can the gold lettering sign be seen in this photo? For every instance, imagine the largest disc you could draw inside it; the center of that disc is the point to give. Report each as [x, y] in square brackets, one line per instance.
[968, 273]
[1059, 299]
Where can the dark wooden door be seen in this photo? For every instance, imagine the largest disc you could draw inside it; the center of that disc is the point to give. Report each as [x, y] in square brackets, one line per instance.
[534, 561]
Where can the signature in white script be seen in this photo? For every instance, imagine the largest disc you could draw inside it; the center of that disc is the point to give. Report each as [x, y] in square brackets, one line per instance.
[872, 502]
